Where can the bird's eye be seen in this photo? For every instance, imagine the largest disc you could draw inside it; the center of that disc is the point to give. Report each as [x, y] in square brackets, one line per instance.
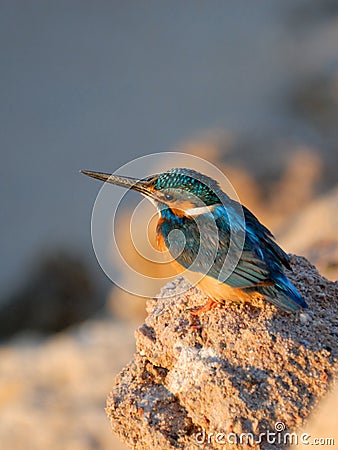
[168, 197]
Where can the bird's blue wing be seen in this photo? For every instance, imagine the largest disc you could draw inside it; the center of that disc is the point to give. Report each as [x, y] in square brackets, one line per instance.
[253, 263]
[253, 260]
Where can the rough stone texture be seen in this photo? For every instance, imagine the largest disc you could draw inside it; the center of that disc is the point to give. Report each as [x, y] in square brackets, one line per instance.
[323, 424]
[239, 368]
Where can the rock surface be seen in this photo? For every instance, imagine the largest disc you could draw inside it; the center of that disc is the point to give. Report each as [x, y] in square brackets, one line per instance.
[237, 369]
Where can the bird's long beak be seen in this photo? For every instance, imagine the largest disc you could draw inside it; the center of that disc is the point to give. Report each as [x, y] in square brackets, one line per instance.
[126, 182]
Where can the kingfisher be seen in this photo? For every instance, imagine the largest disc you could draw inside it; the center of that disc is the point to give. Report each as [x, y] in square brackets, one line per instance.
[215, 239]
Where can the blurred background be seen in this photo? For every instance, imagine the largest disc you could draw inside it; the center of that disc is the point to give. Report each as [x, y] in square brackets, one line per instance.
[250, 86]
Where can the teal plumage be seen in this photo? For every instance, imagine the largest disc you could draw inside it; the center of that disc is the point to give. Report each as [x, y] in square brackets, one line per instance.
[261, 260]
[261, 265]
[215, 233]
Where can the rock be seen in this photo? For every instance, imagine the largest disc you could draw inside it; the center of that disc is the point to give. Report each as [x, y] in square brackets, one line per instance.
[244, 368]
[323, 425]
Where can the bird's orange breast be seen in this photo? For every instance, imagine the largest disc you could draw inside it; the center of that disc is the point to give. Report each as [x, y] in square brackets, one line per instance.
[214, 289]
[159, 237]
[221, 292]
[160, 242]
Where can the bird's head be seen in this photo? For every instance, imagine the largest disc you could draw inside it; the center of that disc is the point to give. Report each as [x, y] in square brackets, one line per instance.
[184, 191]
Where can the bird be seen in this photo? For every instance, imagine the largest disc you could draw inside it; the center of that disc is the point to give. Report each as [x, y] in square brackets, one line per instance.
[215, 239]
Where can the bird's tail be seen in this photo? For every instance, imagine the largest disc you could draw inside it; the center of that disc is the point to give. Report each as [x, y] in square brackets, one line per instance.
[284, 295]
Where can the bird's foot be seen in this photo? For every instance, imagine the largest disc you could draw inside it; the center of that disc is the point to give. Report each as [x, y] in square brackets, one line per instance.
[204, 308]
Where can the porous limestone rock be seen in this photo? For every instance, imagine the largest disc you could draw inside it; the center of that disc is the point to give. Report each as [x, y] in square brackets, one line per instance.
[201, 382]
